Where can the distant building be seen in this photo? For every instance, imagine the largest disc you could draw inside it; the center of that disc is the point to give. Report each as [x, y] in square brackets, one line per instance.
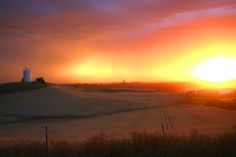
[26, 75]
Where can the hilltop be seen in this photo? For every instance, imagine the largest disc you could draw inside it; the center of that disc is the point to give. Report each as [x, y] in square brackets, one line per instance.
[12, 87]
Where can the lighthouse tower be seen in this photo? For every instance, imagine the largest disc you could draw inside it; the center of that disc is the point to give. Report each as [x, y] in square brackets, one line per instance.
[26, 75]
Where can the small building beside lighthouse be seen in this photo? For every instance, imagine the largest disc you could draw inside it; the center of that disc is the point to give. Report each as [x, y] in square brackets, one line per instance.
[27, 75]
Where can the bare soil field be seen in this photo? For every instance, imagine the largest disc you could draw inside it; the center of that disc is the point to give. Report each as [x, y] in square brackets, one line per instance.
[74, 113]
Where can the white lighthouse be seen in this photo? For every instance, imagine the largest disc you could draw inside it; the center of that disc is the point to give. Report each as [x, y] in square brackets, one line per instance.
[26, 75]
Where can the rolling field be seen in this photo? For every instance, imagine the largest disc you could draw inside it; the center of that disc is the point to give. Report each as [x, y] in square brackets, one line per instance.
[74, 113]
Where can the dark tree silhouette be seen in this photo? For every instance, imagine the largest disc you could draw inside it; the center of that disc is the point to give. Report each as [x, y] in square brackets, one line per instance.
[40, 80]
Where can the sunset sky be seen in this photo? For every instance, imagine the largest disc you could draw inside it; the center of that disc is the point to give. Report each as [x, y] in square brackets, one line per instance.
[69, 41]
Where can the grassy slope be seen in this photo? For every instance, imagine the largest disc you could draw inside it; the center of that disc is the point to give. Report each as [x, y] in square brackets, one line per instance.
[137, 144]
[226, 104]
[222, 101]
[16, 87]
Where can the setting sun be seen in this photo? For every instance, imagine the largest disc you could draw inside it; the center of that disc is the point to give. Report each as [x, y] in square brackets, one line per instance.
[217, 69]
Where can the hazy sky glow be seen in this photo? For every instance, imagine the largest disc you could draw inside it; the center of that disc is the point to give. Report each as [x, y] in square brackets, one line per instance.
[112, 40]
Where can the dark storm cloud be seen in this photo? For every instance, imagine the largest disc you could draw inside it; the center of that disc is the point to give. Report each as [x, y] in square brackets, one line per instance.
[22, 7]
[37, 7]
[84, 18]
[23, 13]
[41, 15]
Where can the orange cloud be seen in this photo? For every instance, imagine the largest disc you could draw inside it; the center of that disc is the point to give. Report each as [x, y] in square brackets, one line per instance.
[112, 40]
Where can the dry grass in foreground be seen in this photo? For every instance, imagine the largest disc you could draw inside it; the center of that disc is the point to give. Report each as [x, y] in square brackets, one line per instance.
[137, 144]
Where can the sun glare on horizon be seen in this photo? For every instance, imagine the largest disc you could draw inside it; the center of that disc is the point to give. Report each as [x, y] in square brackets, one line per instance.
[217, 69]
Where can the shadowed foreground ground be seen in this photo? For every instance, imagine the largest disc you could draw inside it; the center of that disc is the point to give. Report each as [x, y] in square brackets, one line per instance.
[72, 113]
[136, 144]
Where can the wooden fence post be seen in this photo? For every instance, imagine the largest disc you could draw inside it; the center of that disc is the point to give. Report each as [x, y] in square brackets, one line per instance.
[46, 140]
[163, 128]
